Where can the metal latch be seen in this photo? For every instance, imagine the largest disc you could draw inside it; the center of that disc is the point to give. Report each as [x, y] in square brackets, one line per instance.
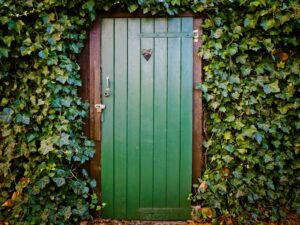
[196, 35]
[99, 107]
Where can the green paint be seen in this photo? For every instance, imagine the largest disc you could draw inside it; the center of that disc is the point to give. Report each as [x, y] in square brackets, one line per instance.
[147, 126]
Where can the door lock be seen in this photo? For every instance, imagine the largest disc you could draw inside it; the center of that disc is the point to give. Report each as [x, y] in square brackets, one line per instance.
[99, 107]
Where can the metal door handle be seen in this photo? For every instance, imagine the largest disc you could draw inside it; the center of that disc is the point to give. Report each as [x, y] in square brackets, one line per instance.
[107, 90]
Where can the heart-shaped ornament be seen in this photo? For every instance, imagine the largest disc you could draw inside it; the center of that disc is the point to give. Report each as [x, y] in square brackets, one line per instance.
[147, 53]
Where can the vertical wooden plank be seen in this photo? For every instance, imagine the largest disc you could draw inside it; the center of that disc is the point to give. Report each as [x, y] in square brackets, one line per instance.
[94, 60]
[197, 107]
[160, 108]
[173, 115]
[146, 160]
[107, 144]
[133, 131]
[120, 117]
[89, 61]
[95, 92]
[84, 90]
[186, 114]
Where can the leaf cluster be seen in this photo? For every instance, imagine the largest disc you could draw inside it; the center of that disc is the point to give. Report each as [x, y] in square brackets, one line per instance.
[251, 89]
[42, 147]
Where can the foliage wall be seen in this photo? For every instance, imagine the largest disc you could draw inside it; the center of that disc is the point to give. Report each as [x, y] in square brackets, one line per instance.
[42, 145]
[251, 89]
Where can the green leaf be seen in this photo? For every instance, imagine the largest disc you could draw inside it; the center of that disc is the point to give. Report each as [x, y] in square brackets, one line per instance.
[59, 181]
[230, 118]
[272, 87]
[227, 135]
[4, 52]
[22, 118]
[250, 21]
[62, 79]
[242, 150]
[7, 40]
[246, 70]
[249, 132]
[233, 49]
[43, 182]
[229, 148]
[270, 185]
[43, 53]
[64, 140]
[234, 79]
[93, 183]
[258, 137]
[66, 212]
[267, 158]
[66, 101]
[89, 5]
[218, 33]
[267, 24]
[227, 158]
[4, 20]
[132, 7]
[46, 146]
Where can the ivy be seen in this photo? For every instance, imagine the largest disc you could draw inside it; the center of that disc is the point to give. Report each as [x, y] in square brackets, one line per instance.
[42, 146]
[251, 81]
[251, 73]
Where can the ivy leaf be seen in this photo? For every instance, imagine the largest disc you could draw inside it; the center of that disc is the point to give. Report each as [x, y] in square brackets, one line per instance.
[270, 185]
[227, 158]
[4, 52]
[132, 7]
[64, 140]
[22, 118]
[93, 183]
[227, 135]
[229, 148]
[296, 67]
[267, 24]
[250, 21]
[267, 158]
[66, 212]
[258, 137]
[249, 132]
[218, 33]
[7, 40]
[4, 19]
[62, 79]
[89, 5]
[46, 146]
[43, 53]
[246, 70]
[272, 87]
[234, 79]
[233, 49]
[230, 118]
[59, 181]
[66, 101]
[43, 182]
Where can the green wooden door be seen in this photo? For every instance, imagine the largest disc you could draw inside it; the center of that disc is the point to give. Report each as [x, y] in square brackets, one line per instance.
[146, 158]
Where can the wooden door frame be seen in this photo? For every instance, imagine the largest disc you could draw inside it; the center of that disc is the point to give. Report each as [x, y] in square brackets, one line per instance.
[90, 71]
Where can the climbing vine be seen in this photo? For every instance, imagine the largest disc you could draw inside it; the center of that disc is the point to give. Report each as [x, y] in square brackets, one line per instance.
[41, 141]
[251, 89]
